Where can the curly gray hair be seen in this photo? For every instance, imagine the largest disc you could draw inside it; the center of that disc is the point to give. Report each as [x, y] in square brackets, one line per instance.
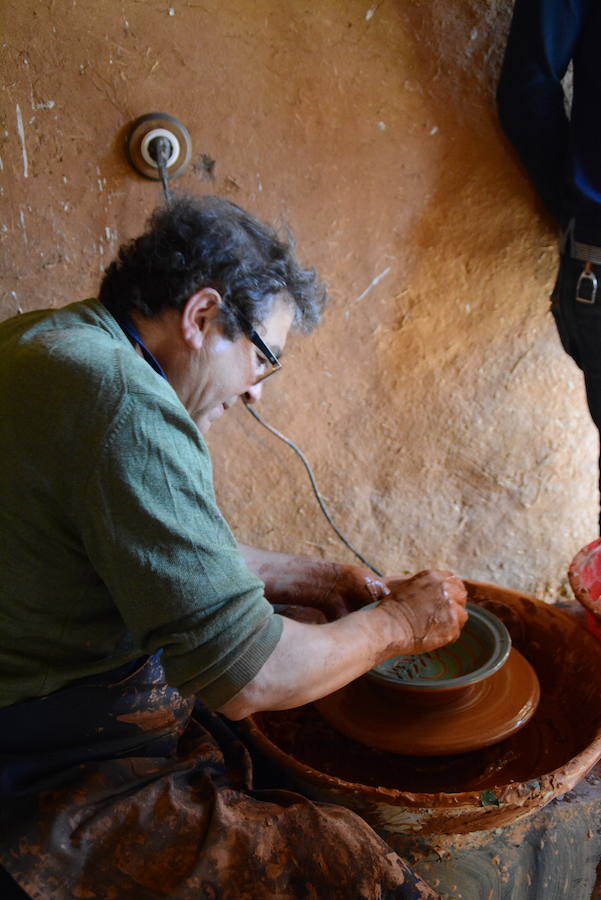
[206, 241]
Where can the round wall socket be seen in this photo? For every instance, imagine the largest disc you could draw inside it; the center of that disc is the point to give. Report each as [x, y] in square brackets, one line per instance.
[149, 127]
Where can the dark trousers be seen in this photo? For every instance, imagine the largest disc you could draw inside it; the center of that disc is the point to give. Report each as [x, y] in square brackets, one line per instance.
[579, 327]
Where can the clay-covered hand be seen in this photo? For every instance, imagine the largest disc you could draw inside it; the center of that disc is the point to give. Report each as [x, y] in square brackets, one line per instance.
[334, 588]
[347, 588]
[429, 608]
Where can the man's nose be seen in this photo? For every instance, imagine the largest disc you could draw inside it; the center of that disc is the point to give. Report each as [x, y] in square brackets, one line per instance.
[253, 394]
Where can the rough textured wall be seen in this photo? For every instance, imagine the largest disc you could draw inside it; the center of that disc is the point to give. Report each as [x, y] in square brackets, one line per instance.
[443, 420]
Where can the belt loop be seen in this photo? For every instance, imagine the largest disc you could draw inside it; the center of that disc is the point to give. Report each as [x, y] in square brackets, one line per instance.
[566, 237]
[581, 250]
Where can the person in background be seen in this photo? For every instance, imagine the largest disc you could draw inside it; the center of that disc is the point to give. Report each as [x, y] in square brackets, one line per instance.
[561, 152]
[133, 627]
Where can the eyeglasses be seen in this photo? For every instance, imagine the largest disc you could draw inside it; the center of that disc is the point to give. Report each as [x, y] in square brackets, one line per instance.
[267, 358]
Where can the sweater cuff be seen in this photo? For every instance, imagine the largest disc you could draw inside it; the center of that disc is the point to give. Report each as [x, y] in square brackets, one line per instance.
[251, 660]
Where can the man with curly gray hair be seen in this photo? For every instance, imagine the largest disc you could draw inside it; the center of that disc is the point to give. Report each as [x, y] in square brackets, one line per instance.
[132, 624]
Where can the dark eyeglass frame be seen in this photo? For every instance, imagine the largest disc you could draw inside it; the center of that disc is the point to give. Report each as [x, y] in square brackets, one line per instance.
[269, 355]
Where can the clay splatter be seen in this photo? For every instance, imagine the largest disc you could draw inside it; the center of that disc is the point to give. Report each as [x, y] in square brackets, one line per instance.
[21, 133]
[372, 284]
[22, 223]
[205, 166]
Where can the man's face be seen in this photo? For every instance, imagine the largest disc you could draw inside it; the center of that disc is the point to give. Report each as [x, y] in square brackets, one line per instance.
[224, 370]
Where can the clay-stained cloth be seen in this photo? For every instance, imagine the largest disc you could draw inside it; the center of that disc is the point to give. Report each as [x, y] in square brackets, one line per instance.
[127, 791]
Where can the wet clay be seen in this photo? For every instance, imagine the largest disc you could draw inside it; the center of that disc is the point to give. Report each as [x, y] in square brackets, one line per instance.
[481, 650]
[473, 717]
[467, 791]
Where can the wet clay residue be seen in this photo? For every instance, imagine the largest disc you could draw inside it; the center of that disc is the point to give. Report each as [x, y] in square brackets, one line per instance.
[541, 746]
[149, 720]
[482, 647]
[449, 722]
[568, 665]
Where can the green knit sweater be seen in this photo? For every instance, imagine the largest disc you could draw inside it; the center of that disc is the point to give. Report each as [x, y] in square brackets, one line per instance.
[111, 541]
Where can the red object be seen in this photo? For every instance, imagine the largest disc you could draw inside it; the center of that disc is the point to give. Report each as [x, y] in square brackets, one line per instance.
[584, 576]
[593, 624]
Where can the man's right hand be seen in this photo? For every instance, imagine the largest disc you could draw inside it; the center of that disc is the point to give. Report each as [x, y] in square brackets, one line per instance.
[426, 611]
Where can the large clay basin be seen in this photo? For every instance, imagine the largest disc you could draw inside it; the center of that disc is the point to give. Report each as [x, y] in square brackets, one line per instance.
[474, 791]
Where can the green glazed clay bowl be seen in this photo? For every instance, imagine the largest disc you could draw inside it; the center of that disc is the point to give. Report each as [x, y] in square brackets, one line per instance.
[442, 675]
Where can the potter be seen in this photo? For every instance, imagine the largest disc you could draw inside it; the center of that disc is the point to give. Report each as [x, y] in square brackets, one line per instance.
[133, 624]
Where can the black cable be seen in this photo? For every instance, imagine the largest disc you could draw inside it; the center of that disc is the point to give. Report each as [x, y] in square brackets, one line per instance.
[316, 490]
[160, 150]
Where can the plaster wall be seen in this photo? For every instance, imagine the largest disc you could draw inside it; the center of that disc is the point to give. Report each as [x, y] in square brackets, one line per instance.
[445, 425]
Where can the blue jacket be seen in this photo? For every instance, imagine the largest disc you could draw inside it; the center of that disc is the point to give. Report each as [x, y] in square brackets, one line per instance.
[560, 148]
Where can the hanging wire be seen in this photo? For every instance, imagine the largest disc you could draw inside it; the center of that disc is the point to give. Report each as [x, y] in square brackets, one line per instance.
[160, 150]
[316, 490]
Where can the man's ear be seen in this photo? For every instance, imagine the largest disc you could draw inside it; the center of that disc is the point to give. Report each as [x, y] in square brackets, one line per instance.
[199, 310]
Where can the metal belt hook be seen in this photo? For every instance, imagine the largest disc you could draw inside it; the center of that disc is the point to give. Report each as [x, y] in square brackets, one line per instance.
[586, 286]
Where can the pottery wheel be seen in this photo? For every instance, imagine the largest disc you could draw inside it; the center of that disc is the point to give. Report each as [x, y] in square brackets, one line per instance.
[483, 715]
